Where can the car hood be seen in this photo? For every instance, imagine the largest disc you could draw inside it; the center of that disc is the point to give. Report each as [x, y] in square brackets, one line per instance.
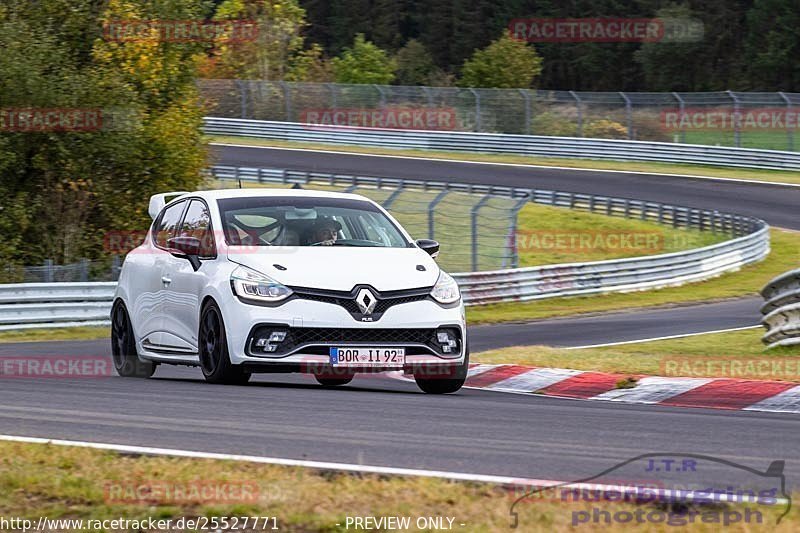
[341, 268]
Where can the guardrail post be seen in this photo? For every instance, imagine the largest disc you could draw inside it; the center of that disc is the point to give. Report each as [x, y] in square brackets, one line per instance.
[431, 207]
[628, 114]
[789, 130]
[681, 114]
[578, 106]
[737, 119]
[474, 226]
[527, 97]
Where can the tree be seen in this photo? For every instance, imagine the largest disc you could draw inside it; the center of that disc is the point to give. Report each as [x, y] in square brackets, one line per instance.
[363, 63]
[772, 47]
[77, 185]
[268, 57]
[414, 64]
[505, 63]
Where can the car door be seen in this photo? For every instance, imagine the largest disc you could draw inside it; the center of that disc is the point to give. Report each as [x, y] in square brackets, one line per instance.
[181, 312]
[151, 289]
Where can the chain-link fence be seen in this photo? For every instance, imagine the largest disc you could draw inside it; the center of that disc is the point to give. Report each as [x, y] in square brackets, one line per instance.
[746, 120]
[49, 272]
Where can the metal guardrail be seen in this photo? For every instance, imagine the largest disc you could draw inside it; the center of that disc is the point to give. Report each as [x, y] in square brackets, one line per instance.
[68, 304]
[498, 143]
[781, 310]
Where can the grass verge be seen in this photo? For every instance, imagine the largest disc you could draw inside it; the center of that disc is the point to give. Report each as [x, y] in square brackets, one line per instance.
[780, 176]
[708, 355]
[55, 334]
[747, 282]
[39, 480]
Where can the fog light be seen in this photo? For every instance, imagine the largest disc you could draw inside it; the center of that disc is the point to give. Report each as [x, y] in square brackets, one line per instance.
[277, 336]
[260, 343]
[447, 341]
[270, 347]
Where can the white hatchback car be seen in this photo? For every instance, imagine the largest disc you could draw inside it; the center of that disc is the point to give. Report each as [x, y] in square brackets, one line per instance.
[258, 280]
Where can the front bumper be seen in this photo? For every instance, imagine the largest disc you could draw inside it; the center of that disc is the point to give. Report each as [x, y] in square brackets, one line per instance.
[313, 327]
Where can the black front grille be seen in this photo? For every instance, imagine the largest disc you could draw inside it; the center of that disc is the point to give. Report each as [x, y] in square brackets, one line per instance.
[299, 337]
[347, 300]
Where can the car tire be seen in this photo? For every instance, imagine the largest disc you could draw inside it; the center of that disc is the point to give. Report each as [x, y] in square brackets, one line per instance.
[333, 382]
[213, 350]
[123, 346]
[445, 385]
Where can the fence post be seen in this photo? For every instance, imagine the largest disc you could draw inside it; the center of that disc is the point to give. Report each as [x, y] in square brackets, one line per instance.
[474, 226]
[431, 207]
[287, 100]
[580, 112]
[789, 130]
[83, 270]
[527, 97]
[48, 271]
[243, 97]
[381, 93]
[737, 119]
[477, 109]
[116, 266]
[392, 197]
[332, 88]
[628, 114]
[681, 114]
[512, 229]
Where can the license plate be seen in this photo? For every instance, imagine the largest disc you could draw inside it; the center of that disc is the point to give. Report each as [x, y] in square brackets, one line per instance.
[359, 356]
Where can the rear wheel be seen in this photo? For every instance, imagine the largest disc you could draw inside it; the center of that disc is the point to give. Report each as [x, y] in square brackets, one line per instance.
[123, 346]
[446, 381]
[333, 382]
[213, 347]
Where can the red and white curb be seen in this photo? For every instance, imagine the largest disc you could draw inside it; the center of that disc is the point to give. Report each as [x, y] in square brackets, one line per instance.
[714, 393]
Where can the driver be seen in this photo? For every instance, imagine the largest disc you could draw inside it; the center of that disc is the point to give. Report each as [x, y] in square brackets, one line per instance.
[325, 231]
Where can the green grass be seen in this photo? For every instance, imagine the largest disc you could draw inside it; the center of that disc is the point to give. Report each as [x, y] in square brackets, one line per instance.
[673, 357]
[784, 176]
[55, 334]
[39, 480]
[766, 140]
[747, 282]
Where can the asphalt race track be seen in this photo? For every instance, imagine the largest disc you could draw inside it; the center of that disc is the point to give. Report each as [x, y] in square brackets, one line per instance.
[379, 421]
[387, 422]
[775, 204]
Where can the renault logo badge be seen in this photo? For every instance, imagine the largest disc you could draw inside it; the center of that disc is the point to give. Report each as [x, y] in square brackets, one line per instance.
[366, 301]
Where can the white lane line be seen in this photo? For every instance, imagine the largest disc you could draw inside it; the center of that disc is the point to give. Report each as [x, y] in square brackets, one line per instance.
[322, 465]
[653, 390]
[534, 380]
[787, 401]
[651, 339]
[521, 165]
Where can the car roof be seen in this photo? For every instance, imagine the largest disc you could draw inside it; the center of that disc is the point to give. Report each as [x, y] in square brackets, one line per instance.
[218, 194]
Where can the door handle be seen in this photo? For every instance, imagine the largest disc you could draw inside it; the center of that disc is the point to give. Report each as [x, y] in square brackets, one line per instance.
[166, 281]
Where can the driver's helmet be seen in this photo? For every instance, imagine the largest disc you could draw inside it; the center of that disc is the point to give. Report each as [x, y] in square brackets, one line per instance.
[323, 223]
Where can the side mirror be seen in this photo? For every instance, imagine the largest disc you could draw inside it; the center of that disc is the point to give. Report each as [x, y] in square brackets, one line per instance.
[431, 247]
[187, 248]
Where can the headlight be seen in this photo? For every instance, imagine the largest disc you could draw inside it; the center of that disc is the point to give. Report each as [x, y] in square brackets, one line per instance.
[251, 285]
[446, 290]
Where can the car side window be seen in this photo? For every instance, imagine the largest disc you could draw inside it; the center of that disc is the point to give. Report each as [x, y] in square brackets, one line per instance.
[197, 223]
[168, 224]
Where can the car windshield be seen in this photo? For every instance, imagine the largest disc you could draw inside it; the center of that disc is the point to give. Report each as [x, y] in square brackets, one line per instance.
[299, 221]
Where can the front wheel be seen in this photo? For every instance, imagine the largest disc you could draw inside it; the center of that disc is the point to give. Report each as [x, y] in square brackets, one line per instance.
[123, 346]
[333, 382]
[446, 381]
[214, 359]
